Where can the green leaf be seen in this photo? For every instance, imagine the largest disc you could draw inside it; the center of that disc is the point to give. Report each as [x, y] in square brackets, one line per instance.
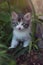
[4, 5]
[37, 40]
[2, 46]
[36, 46]
[12, 62]
[2, 52]
[4, 17]
[30, 47]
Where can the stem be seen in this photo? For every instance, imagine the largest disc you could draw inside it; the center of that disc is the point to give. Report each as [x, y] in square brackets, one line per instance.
[9, 8]
[34, 23]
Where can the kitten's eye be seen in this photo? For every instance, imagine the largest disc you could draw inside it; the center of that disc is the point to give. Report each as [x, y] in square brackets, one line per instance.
[15, 23]
[25, 25]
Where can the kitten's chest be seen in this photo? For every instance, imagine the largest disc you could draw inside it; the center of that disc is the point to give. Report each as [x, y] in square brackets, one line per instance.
[21, 35]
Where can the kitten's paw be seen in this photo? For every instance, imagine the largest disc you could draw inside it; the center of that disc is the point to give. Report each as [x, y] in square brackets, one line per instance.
[10, 47]
[25, 45]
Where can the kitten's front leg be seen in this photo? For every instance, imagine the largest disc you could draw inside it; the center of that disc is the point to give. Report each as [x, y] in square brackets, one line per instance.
[14, 43]
[26, 43]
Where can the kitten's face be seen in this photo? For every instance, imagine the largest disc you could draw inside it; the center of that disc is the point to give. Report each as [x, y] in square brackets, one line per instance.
[20, 21]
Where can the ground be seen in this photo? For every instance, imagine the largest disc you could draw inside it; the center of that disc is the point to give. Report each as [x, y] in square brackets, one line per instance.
[34, 58]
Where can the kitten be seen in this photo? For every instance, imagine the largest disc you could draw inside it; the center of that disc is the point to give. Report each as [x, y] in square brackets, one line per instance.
[21, 29]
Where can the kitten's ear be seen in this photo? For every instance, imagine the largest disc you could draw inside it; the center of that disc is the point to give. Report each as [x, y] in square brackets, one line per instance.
[27, 16]
[14, 15]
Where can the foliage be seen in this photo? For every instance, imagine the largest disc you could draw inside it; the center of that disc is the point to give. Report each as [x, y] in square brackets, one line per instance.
[5, 58]
[5, 34]
[35, 20]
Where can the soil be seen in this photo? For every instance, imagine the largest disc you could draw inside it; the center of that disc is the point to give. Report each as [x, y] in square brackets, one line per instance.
[34, 58]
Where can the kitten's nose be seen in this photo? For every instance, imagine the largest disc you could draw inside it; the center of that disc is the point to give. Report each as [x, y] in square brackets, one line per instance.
[19, 28]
